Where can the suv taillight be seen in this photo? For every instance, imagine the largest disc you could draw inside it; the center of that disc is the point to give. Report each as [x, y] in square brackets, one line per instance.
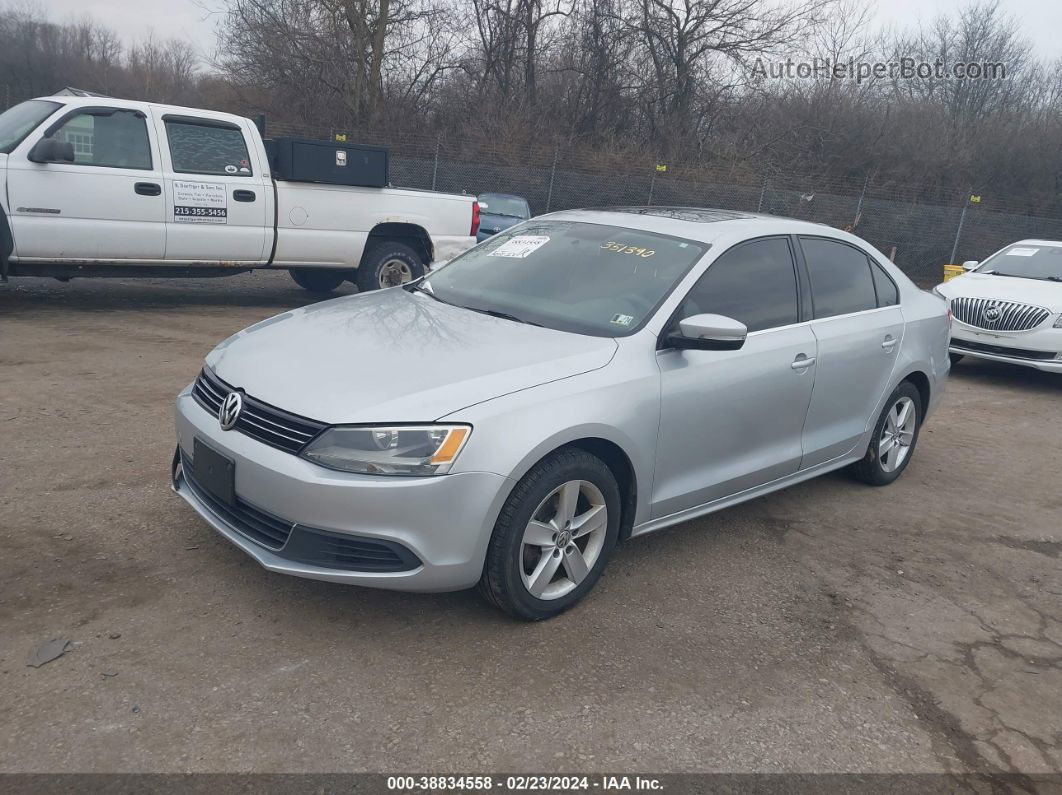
[475, 219]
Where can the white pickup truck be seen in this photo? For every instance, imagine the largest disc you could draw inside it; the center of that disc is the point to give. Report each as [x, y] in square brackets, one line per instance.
[93, 186]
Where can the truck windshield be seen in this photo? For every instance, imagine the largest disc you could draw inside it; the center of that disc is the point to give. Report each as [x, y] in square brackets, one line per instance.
[605, 281]
[18, 122]
[1026, 261]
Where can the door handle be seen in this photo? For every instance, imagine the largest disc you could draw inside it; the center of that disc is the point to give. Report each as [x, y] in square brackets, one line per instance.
[890, 343]
[243, 195]
[802, 362]
[148, 188]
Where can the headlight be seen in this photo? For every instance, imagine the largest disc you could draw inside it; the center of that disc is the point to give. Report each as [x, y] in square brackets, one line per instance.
[1058, 322]
[390, 450]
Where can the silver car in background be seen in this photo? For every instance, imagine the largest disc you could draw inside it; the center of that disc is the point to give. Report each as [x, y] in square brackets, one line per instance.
[581, 378]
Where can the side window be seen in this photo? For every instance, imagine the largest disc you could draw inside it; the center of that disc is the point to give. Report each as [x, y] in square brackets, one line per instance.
[112, 139]
[207, 149]
[754, 283]
[841, 281]
[888, 295]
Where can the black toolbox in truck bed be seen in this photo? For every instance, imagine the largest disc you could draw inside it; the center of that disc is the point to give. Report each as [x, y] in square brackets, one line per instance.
[307, 160]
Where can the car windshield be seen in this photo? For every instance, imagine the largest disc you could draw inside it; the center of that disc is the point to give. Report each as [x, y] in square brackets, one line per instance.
[1026, 261]
[18, 122]
[586, 278]
[503, 205]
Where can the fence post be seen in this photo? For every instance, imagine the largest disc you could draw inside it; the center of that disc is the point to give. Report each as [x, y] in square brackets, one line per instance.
[652, 184]
[958, 231]
[859, 205]
[552, 176]
[763, 192]
[435, 168]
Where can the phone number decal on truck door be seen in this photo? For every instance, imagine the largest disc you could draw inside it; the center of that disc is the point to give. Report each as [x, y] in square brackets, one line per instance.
[199, 203]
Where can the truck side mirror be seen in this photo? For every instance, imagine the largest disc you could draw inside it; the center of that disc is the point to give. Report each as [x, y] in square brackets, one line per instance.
[50, 150]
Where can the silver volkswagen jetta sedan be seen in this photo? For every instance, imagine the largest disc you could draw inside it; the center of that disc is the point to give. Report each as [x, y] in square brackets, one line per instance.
[581, 378]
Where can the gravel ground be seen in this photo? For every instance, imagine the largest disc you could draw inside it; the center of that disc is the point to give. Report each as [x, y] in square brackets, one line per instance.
[829, 627]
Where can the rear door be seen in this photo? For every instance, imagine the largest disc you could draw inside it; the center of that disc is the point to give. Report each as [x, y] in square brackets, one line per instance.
[859, 327]
[215, 191]
[105, 206]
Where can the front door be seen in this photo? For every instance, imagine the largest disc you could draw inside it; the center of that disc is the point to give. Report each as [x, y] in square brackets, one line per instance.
[859, 327]
[105, 206]
[217, 192]
[732, 420]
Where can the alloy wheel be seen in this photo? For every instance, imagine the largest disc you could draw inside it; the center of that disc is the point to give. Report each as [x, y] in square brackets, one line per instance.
[897, 435]
[563, 540]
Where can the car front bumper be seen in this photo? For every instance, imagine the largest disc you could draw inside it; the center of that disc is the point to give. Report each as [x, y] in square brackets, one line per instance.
[444, 522]
[1039, 349]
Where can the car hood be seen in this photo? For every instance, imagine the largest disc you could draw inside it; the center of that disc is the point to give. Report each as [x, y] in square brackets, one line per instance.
[1005, 288]
[396, 356]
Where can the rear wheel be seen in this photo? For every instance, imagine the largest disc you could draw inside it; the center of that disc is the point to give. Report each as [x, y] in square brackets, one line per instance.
[894, 439]
[553, 537]
[318, 280]
[388, 264]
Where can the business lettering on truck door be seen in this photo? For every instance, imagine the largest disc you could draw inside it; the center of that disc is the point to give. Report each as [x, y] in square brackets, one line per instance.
[199, 203]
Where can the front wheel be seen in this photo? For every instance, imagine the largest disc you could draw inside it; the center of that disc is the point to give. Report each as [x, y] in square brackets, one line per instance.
[894, 439]
[388, 264]
[553, 537]
[318, 280]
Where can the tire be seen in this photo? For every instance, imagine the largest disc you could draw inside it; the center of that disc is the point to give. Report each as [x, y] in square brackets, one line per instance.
[388, 264]
[509, 573]
[880, 470]
[956, 357]
[318, 280]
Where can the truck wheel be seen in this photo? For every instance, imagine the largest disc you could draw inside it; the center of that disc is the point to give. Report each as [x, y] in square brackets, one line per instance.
[388, 264]
[318, 280]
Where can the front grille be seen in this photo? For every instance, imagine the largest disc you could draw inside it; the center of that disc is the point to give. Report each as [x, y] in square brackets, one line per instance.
[1005, 315]
[259, 420]
[263, 528]
[299, 543]
[1001, 350]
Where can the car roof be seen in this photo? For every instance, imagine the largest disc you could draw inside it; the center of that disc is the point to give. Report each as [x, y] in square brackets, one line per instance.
[702, 224]
[96, 100]
[1055, 243]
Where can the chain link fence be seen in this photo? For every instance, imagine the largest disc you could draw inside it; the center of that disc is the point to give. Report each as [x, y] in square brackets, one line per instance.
[920, 228]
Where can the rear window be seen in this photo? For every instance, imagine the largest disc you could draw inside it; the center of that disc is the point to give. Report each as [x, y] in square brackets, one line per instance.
[841, 281]
[207, 149]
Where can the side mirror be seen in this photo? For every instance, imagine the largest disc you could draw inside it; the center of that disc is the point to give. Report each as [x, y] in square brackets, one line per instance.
[970, 264]
[49, 150]
[709, 333]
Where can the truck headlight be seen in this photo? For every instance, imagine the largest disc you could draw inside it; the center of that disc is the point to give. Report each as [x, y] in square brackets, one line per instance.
[389, 449]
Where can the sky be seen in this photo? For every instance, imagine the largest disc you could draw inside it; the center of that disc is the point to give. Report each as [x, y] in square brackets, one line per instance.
[195, 20]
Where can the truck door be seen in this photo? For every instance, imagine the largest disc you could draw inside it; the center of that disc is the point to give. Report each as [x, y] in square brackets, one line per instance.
[106, 206]
[216, 191]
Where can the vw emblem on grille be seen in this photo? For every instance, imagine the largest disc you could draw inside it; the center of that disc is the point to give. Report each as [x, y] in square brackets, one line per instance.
[230, 410]
[993, 313]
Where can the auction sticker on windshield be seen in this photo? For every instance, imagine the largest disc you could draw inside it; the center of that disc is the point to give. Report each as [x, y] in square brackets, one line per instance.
[199, 203]
[1022, 252]
[520, 246]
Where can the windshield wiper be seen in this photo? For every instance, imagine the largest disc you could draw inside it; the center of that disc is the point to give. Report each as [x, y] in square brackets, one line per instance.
[499, 314]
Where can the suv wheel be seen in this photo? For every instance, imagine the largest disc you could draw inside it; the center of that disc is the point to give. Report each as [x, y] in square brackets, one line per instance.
[318, 280]
[553, 537]
[894, 439]
[388, 264]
